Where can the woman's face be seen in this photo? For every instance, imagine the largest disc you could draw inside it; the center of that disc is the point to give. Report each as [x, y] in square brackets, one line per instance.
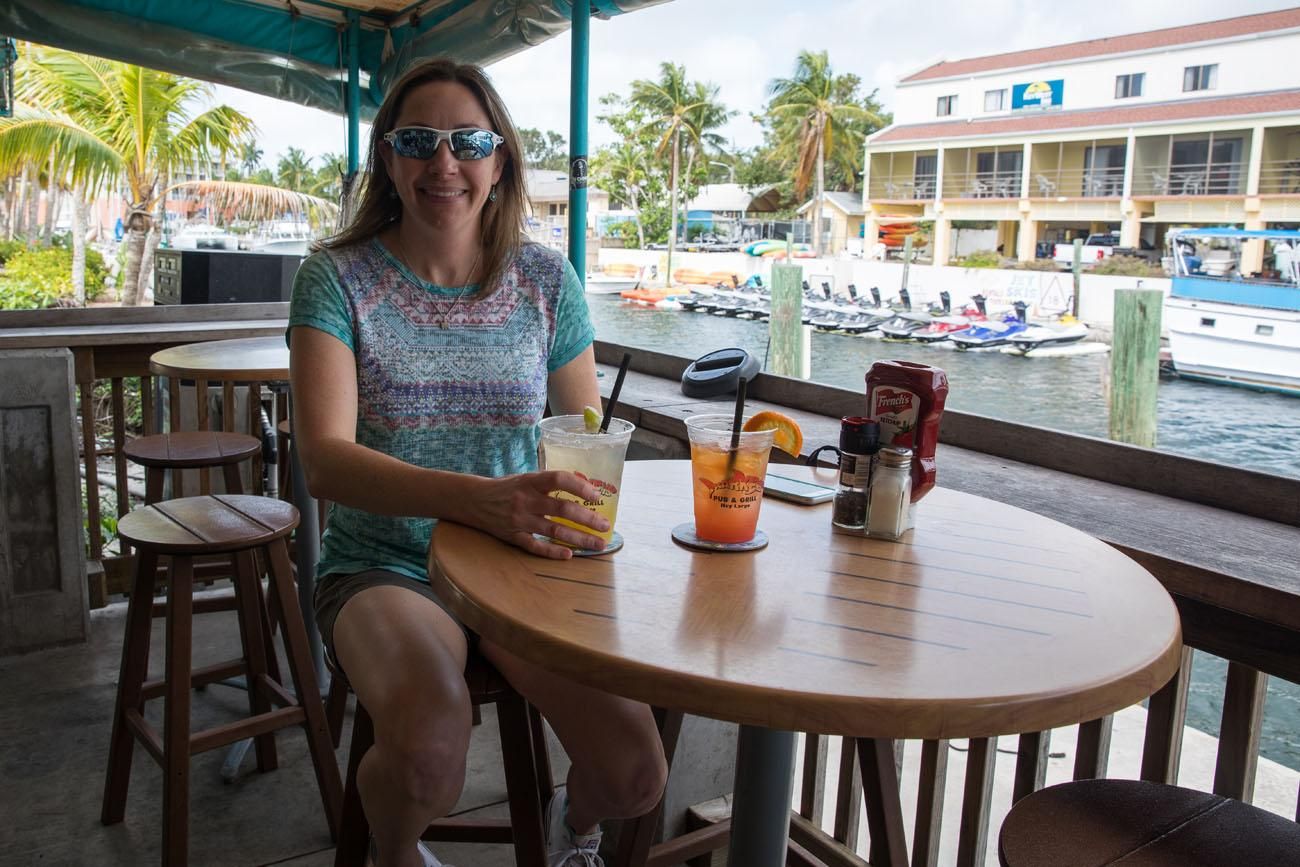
[443, 192]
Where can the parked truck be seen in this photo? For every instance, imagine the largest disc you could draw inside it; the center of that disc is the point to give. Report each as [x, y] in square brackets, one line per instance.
[1097, 247]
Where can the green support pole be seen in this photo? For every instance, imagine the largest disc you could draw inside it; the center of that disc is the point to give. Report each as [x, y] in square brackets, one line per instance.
[1077, 267]
[354, 91]
[1135, 366]
[789, 337]
[579, 57]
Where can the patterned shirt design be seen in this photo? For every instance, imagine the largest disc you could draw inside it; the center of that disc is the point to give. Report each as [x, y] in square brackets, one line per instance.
[444, 380]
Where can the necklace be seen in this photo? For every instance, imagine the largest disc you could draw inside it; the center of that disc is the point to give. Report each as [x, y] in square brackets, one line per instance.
[443, 315]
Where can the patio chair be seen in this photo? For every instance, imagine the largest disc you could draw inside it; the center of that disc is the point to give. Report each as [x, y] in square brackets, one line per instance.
[1159, 183]
[247, 528]
[1046, 186]
[523, 755]
[1103, 821]
[892, 191]
[978, 189]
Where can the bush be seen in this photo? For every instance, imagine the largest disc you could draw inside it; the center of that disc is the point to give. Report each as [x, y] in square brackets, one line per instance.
[1128, 266]
[9, 248]
[43, 278]
[1039, 265]
[981, 259]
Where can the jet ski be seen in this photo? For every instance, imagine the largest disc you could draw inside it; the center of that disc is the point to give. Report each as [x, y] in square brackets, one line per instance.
[988, 334]
[1035, 336]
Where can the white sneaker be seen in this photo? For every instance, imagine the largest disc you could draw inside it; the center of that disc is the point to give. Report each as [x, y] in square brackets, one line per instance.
[563, 847]
[430, 859]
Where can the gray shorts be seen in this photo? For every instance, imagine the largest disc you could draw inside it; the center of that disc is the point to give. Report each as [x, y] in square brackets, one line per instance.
[335, 590]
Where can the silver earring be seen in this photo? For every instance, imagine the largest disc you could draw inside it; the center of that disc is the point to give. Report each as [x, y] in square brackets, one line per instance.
[492, 193]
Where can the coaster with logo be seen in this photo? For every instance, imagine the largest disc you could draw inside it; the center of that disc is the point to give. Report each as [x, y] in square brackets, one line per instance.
[615, 543]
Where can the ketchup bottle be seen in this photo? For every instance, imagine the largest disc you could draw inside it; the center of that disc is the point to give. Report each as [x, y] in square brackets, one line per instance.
[907, 400]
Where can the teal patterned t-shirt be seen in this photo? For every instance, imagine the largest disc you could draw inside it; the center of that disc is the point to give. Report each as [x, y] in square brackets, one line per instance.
[441, 384]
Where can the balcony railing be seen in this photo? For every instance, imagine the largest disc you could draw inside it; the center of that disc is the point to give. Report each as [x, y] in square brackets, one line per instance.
[1190, 179]
[900, 187]
[1279, 177]
[1075, 183]
[982, 185]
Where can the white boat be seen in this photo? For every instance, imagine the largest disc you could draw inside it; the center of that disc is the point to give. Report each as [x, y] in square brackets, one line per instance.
[287, 237]
[1227, 329]
[202, 236]
[608, 284]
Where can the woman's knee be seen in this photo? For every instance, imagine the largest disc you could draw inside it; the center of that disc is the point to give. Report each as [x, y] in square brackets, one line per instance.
[637, 783]
[426, 764]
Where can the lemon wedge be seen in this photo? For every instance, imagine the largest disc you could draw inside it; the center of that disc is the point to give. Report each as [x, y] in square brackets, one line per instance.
[789, 436]
[591, 419]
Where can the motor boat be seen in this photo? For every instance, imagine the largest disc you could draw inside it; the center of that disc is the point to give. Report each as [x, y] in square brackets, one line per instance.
[203, 236]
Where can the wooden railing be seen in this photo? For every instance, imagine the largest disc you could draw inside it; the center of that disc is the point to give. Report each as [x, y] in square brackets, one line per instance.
[1220, 539]
[111, 347]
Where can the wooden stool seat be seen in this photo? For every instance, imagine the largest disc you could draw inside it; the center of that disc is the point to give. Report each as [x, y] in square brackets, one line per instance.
[183, 529]
[213, 524]
[192, 449]
[1141, 824]
[523, 754]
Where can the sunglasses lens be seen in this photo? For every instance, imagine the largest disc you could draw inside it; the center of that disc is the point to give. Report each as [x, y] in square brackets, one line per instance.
[472, 144]
[415, 143]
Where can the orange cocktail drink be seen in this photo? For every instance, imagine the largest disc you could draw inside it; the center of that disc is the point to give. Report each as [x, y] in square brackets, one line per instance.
[726, 480]
[597, 457]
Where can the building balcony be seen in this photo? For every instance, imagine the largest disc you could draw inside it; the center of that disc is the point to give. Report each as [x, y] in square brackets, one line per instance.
[982, 185]
[901, 188]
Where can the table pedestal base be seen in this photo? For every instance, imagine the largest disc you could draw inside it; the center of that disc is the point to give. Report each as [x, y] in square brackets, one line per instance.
[760, 814]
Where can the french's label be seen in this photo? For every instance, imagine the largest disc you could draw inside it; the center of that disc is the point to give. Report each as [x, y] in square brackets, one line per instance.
[897, 410]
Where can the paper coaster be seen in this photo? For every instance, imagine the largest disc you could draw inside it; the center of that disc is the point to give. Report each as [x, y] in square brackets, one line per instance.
[684, 534]
[615, 543]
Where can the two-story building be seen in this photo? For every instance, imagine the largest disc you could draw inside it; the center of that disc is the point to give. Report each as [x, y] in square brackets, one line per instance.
[1198, 124]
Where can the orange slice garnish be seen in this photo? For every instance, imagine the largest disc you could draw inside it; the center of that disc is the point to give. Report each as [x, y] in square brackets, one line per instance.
[789, 436]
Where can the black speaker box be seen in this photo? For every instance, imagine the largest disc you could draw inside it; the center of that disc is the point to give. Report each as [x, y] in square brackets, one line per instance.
[222, 276]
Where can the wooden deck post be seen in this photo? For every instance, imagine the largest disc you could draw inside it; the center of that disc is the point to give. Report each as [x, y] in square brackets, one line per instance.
[1135, 366]
[791, 348]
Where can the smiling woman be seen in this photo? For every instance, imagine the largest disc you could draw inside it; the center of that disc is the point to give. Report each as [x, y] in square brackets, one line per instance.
[427, 340]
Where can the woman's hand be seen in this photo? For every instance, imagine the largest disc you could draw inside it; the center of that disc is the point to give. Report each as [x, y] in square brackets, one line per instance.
[513, 508]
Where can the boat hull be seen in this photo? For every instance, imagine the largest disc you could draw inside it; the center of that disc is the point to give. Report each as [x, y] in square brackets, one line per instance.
[1235, 344]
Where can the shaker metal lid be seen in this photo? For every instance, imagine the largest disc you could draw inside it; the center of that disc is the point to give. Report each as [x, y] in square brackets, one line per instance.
[859, 435]
[891, 456]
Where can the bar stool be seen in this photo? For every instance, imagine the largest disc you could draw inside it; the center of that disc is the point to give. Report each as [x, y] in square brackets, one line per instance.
[523, 753]
[1095, 822]
[183, 529]
[188, 450]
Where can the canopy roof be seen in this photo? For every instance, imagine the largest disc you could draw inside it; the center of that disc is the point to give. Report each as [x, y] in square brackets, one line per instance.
[295, 50]
[1229, 232]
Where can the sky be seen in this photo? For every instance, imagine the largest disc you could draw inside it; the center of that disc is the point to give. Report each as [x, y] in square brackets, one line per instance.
[742, 45]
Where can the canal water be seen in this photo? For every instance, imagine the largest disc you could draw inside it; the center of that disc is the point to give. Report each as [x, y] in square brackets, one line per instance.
[1218, 423]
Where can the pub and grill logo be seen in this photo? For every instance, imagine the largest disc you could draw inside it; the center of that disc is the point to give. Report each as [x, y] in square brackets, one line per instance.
[606, 488]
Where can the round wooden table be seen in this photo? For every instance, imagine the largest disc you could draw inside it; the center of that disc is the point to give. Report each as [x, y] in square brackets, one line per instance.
[984, 620]
[259, 359]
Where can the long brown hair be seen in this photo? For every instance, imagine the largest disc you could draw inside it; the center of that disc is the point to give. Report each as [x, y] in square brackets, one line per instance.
[502, 219]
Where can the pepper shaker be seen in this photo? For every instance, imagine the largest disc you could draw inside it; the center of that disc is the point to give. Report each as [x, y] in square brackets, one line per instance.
[859, 442]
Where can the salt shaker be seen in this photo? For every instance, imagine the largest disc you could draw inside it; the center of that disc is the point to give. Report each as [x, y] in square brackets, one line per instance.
[859, 441]
[890, 494]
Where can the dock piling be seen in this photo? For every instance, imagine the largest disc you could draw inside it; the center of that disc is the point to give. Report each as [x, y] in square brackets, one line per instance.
[791, 353]
[1135, 366]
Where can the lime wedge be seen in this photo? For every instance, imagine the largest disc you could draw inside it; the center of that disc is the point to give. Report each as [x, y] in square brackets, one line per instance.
[591, 419]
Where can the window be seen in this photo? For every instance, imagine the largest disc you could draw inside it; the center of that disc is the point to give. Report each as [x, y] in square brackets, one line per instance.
[1201, 77]
[993, 99]
[1129, 85]
[947, 105]
[1206, 322]
[1264, 330]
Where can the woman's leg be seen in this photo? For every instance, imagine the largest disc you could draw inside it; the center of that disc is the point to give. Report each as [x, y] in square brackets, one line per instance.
[618, 769]
[405, 658]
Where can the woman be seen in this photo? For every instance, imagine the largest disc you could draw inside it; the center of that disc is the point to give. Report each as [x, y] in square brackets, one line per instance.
[426, 340]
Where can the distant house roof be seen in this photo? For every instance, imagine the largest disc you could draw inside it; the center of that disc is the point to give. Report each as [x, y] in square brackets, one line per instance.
[849, 203]
[735, 198]
[1276, 101]
[1165, 38]
[546, 185]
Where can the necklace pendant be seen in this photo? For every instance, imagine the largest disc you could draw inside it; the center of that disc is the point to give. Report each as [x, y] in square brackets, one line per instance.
[443, 325]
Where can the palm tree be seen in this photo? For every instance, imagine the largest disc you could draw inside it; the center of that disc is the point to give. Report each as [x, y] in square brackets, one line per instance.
[294, 171]
[625, 167]
[114, 123]
[250, 157]
[677, 109]
[811, 110]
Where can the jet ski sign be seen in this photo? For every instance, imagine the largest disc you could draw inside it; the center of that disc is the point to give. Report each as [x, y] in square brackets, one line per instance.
[1038, 95]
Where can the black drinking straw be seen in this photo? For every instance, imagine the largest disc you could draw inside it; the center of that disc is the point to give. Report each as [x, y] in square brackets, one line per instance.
[736, 422]
[613, 395]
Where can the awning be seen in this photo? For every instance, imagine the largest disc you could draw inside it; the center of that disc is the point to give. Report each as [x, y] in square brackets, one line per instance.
[296, 51]
[1245, 234]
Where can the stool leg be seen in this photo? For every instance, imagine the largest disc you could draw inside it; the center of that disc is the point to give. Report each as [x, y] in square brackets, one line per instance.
[521, 782]
[135, 667]
[354, 828]
[176, 715]
[255, 645]
[304, 680]
[336, 705]
[153, 484]
[541, 756]
[234, 482]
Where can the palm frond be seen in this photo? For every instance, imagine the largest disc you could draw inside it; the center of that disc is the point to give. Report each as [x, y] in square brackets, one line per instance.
[258, 201]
